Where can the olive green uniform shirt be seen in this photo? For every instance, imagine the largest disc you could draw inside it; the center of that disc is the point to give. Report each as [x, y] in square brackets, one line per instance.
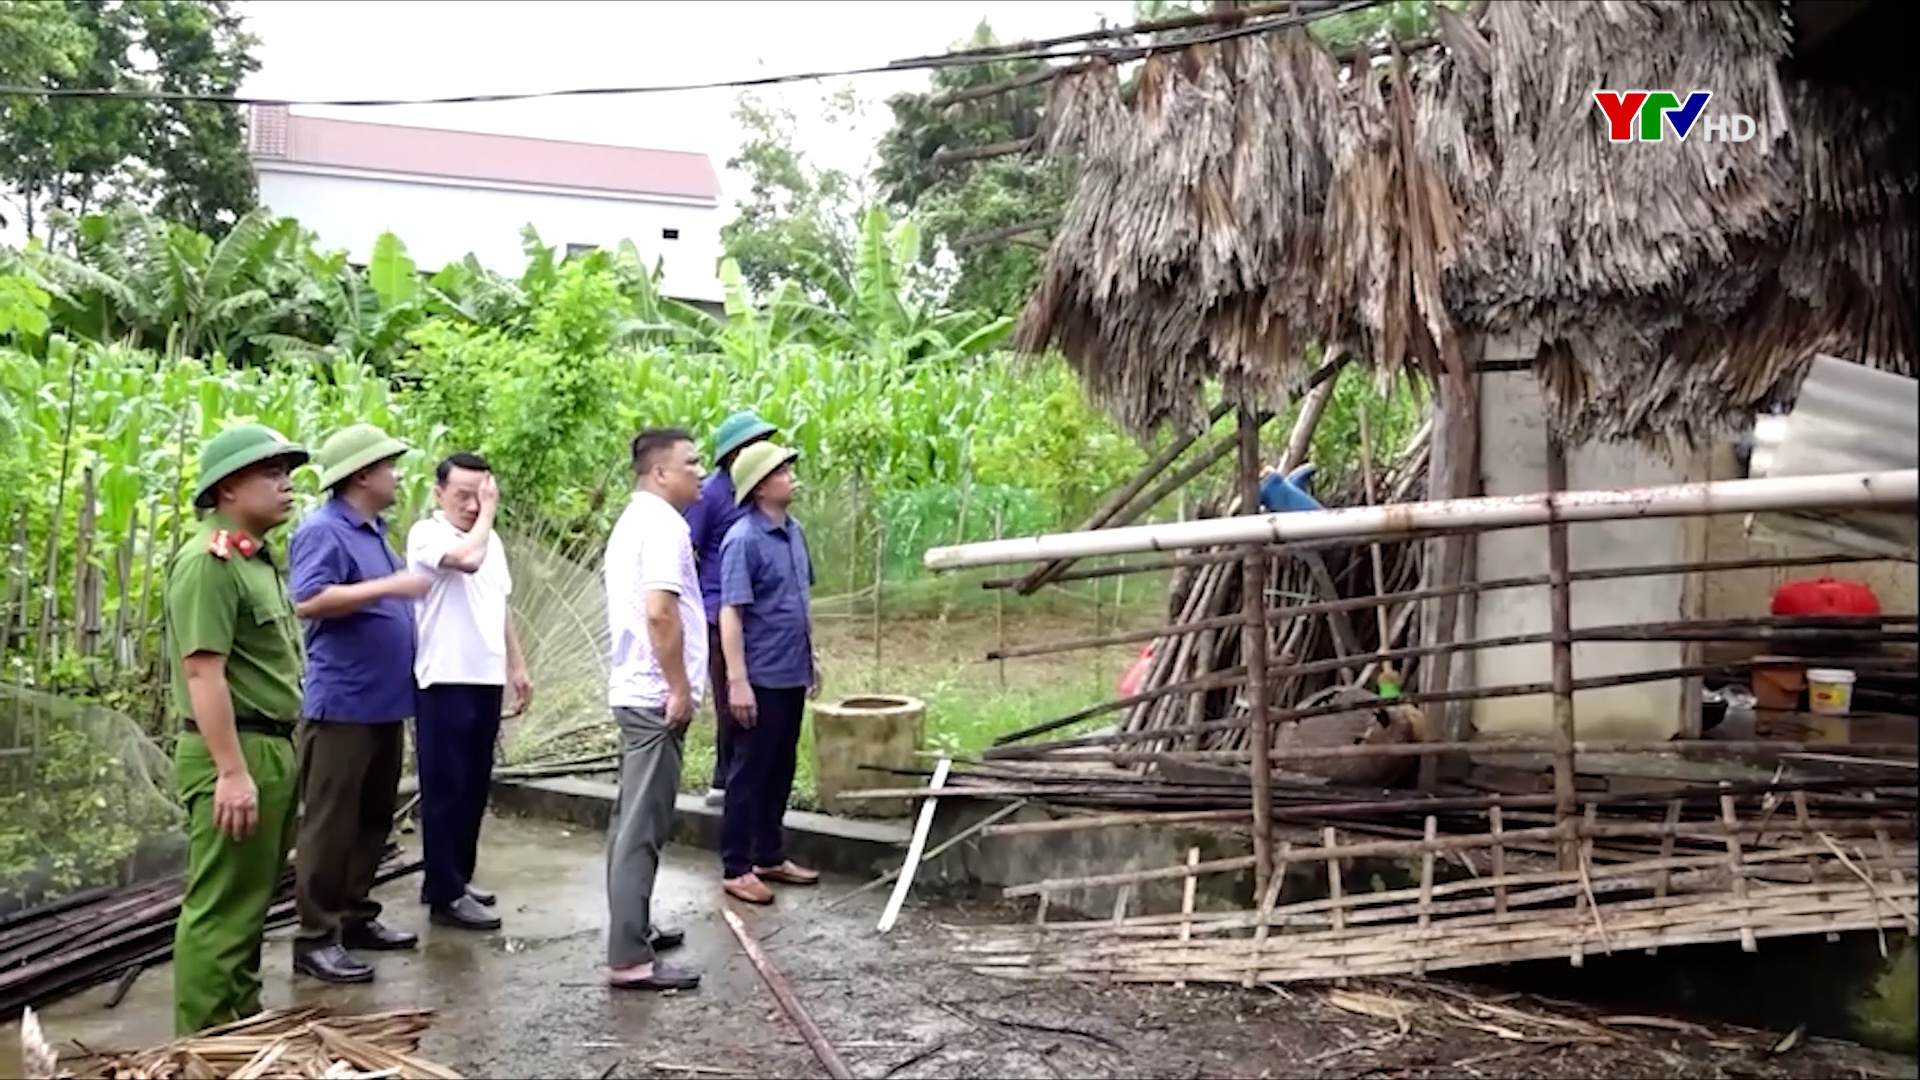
[223, 598]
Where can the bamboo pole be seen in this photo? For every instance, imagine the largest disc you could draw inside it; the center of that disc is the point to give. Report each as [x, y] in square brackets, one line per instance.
[915, 846]
[1170, 795]
[1207, 558]
[1253, 647]
[1337, 852]
[1839, 491]
[1117, 502]
[1389, 905]
[1381, 614]
[1231, 677]
[1129, 503]
[823, 1050]
[1561, 609]
[1772, 627]
[1368, 808]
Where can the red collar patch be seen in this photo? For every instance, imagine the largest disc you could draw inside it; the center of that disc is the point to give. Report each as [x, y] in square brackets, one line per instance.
[224, 542]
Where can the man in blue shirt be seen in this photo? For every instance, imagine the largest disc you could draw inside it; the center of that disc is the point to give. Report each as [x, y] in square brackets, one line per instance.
[708, 519]
[766, 624]
[354, 595]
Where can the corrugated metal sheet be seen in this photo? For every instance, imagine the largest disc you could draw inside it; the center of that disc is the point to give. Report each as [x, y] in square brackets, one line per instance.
[1848, 418]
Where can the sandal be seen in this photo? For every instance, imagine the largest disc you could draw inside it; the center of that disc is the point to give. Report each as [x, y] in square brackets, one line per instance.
[664, 977]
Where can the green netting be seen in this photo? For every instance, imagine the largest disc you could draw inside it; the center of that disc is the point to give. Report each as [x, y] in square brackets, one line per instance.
[85, 798]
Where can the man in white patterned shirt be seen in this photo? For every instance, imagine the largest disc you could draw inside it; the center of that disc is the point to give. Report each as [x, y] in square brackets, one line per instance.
[658, 670]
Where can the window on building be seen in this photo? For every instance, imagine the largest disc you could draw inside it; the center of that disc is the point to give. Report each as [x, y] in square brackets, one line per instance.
[669, 234]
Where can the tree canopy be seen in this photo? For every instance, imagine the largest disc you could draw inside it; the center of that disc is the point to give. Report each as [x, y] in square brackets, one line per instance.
[64, 157]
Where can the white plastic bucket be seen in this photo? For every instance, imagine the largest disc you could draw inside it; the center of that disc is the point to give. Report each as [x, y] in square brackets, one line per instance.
[1830, 691]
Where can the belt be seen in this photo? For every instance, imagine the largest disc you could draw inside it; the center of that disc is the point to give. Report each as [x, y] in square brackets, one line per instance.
[254, 725]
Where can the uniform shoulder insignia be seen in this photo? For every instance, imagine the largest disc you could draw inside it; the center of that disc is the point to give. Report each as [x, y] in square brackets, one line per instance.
[220, 545]
[245, 545]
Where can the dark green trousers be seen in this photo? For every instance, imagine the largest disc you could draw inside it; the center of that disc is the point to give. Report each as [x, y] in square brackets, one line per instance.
[230, 883]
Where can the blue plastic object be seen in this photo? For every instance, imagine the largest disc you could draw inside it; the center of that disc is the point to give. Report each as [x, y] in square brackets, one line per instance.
[1288, 494]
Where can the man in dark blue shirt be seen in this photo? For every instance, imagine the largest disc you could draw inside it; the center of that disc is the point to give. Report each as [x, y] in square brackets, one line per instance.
[766, 624]
[708, 520]
[351, 589]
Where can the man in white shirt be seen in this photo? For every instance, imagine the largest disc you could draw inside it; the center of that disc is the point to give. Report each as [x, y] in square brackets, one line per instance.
[467, 660]
[657, 627]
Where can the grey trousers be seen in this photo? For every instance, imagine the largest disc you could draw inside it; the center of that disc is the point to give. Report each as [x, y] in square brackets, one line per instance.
[650, 754]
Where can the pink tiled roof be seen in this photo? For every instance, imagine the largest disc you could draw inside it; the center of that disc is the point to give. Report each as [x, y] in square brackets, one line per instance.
[350, 144]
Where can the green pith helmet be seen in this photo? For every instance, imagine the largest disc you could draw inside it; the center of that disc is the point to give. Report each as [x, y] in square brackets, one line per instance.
[351, 449]
[240, 447]
[738, 430]
[755, 464]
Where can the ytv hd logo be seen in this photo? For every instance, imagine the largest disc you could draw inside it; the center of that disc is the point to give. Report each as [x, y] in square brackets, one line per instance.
[1649, 115]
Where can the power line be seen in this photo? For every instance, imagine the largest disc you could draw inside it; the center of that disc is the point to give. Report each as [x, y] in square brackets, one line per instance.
[1300, 15]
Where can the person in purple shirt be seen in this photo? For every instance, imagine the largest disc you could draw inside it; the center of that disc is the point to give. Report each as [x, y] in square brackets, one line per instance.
[355, 596]
[708, 519]
[766, 620]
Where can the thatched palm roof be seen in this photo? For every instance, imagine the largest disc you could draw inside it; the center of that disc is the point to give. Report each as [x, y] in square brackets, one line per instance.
[1256, 195]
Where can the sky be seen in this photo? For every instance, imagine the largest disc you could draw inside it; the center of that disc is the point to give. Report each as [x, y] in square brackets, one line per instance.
[418, 48]
[409, 49]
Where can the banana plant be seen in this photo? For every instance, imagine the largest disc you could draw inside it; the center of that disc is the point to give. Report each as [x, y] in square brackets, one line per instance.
[167, 287]
[880, 309]
[368, 315]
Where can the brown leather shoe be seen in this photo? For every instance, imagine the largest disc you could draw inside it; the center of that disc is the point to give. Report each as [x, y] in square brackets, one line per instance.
[788, 873]
[748, 889]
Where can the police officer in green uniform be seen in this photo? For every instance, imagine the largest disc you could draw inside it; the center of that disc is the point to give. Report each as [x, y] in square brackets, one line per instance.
[235, 648]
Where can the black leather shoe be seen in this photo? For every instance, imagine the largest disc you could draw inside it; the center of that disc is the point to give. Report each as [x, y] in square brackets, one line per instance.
[667, 937]
[376, 936]
[480, 895]
[465, 914]
[330, 964]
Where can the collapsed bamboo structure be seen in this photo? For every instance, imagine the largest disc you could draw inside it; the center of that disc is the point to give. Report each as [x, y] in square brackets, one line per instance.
[1453, 211]
[1786, 838]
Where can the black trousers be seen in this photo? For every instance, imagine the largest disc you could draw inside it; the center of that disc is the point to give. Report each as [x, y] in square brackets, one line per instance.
[761, 781]
[724, 728]
[349, 778]
[454, 730]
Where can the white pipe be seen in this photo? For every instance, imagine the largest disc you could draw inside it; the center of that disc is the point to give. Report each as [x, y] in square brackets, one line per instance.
[1788, 493]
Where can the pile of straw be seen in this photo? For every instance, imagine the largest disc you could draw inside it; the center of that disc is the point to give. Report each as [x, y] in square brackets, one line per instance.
[282, 1044]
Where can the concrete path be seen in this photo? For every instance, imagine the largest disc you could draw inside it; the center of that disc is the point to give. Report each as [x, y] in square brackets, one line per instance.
[528, 1001]
[524, 1001]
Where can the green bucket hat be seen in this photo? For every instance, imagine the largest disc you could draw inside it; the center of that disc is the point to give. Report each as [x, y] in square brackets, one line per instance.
[238, 447]
[738, 430]
[755, 464]
[351, 449]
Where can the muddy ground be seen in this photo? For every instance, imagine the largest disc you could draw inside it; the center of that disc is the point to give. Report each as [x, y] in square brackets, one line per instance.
[527, 1002]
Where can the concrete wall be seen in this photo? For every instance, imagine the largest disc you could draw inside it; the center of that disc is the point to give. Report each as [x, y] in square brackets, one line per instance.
[441, 221]
[1514, 462]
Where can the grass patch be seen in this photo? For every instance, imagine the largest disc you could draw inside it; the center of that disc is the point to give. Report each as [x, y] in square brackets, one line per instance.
[970, 700]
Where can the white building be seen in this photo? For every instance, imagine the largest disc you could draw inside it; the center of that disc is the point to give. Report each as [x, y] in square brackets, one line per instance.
[448, 193]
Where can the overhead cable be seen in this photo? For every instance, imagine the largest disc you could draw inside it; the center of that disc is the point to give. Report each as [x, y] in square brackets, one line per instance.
[1295, 14]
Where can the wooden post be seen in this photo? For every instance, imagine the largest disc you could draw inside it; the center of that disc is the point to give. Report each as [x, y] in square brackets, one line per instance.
[879, 579]
[1562, 613]
[1000, 600]
[1253, 652]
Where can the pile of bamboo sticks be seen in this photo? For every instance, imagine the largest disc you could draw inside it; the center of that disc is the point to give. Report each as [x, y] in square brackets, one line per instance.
[277, 1045]
[1717, 862]
[64, 947]
[1315, 645]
